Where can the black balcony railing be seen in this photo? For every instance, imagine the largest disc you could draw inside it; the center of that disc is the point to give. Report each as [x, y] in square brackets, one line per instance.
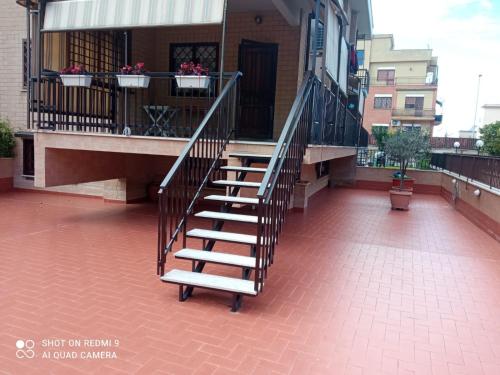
[413, 112]
[484, 169]
[376, 158]
[333, 123]
[162, 109]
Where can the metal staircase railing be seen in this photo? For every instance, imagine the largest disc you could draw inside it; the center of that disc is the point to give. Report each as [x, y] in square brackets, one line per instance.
[198, 161]
[282, 173]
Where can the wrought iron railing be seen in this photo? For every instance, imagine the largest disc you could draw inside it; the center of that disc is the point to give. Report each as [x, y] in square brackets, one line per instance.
[282, 173]
[200, 159]
[377, 158]
[484, 169]
[333, 123]
[414, 112]
[162, 109]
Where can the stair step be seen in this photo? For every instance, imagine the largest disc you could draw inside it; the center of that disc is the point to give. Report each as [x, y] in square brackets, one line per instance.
[203, 280]
[226, 216]
[227, 198]
[244, 169]
[223, 236]
[238, 183]
[218, 258]
[243, 155]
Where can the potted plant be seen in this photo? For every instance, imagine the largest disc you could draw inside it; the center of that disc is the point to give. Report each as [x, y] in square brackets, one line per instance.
[408, 182]
[75, 76]
[134, 76]
[405, 146]
[7, 144]
[191, 76]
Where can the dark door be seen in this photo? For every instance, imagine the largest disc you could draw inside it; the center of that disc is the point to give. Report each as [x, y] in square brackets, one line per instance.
[258, 63]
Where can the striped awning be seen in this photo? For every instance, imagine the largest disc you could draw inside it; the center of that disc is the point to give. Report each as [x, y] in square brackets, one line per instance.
[120, 14]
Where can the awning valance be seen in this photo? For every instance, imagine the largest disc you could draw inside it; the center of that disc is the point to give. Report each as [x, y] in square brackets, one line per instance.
[123, 14]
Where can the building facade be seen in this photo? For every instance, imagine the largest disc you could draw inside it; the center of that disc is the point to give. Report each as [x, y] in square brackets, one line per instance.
[111, 136]
[403, 84]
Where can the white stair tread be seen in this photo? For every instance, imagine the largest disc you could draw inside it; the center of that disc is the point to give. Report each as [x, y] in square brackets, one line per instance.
[223, 236]
[227, 216]
[214, 257]
[203, 280]
[227, 198]
[237, 183]
[244, 169]
[249, 155]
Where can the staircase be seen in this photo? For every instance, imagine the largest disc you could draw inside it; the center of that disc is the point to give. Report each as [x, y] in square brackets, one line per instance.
[201, 163]
[198, 257]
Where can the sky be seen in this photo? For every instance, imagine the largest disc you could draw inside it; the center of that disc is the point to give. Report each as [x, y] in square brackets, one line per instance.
[465, 35]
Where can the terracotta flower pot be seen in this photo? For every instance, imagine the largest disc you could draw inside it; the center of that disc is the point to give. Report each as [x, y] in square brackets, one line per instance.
[408, 183]
[400, 199]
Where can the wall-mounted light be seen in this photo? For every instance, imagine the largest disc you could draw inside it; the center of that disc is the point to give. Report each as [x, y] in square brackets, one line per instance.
[258, 20]
[477, 193]
[454, 181]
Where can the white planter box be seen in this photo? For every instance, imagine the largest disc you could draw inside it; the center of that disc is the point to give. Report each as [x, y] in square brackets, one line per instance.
[76, 80]
[193, 82]
[134, 81]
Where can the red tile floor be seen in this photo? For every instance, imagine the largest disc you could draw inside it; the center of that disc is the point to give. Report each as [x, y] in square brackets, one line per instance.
[356, 289]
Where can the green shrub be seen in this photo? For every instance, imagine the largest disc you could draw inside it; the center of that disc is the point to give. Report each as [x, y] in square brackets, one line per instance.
[7, 140]
[490, 134]
[380, 133]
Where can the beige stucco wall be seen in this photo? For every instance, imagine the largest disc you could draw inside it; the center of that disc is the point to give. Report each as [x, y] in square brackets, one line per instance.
[385, 175]
[401, 95]
[491, 114]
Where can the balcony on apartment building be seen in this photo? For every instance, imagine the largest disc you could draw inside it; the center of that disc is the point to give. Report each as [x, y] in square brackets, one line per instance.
[407, 81]
[414, 112]
[359, 81]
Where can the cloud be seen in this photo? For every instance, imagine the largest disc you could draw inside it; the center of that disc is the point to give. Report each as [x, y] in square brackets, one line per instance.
[465, 35]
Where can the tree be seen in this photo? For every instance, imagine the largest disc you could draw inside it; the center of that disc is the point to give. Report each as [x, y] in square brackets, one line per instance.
[490, 134]
[7, 140]
[380, 133]
[405, 146]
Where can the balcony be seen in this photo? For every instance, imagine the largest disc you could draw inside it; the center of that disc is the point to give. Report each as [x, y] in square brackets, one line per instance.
[359, 81]
[406, 81]
[413, 112]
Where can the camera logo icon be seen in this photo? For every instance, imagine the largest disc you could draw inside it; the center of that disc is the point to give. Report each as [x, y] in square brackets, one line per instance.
[25, 349]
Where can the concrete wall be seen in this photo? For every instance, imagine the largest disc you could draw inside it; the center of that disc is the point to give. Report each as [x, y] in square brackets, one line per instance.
[484, 211]
[6, 174]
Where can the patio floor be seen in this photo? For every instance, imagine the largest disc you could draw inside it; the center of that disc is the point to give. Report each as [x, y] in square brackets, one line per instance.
[356, 288]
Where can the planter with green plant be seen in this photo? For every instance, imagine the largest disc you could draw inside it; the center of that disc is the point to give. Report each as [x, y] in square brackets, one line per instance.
[7, 144]
[405, 146]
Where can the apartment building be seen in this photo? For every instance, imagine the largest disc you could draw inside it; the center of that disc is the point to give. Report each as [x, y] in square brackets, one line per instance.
[403, 84]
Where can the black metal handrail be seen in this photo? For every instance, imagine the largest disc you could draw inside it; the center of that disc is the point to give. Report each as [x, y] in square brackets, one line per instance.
[279, 180]
[194, 167]
[484, 169]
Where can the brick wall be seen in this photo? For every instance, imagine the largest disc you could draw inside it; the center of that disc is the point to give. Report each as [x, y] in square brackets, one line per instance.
[153, 46]
[12, 32]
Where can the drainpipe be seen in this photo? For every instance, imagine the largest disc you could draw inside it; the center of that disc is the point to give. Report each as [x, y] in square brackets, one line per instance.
[28, 63]
[223, 47]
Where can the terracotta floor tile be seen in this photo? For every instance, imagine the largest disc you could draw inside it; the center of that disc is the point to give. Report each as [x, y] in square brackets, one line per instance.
[356, 288]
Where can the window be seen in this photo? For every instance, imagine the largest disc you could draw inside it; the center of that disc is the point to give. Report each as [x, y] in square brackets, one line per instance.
[28, 157]
[25, 64]
[414, 102]
[97, 51]
[383, 102]
[386, 75]
[206, 54]
[361, 57]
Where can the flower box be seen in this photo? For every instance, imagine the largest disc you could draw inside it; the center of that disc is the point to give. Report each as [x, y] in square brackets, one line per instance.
[133, 81]
[76, 80]
[192, 81]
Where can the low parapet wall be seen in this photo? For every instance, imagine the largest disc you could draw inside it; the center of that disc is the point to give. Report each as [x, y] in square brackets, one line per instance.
[482, 210]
